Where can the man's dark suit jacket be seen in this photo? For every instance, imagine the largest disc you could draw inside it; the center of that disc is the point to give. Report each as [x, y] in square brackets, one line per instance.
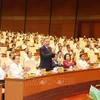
[46, 58]
[55, 64]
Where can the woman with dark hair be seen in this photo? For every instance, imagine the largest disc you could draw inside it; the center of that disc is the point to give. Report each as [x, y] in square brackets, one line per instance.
[68, 61]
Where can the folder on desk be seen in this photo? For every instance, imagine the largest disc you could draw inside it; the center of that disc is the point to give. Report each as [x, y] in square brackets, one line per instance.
[31, 64]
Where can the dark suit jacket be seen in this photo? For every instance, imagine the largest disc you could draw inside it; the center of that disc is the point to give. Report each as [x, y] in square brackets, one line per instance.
[46, 58]
[56, 64]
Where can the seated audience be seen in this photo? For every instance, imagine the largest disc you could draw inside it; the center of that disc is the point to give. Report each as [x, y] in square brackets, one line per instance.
[16, 41]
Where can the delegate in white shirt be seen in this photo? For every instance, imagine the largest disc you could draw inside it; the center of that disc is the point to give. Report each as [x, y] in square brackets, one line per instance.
[15, 70]
[82, 64]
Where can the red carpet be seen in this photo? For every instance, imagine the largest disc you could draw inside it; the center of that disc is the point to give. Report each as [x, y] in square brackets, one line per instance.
[77, 97]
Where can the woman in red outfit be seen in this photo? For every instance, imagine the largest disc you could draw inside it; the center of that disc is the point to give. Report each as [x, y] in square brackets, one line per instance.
[68, 61]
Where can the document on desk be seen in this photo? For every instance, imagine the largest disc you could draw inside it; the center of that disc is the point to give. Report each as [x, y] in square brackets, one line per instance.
[31, 64]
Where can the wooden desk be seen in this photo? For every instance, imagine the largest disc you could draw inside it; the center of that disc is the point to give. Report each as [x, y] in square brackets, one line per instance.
[51, 87]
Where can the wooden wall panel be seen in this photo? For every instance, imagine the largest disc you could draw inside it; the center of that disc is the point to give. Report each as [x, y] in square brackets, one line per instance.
[32, 9]
[63, 17]
[85, 29]
[58, 7]
[56, 27]
[14, 25]
[31, 26]
[7, 25]
[18, 25]
[97, 29]
[68, 28]
[38, 14]
[95, 6]
[13, 12]
[43, 26]
[19, 7]
[13, 7]
[38, 8]
[70, 7]
[7, 7]
[89, 11]
[84, 8]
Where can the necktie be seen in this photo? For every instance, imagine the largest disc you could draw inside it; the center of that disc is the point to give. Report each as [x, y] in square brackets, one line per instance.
[48, 49]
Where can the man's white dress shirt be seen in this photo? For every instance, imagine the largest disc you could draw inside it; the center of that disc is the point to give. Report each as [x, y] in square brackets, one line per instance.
[82, 64]
[16, 70]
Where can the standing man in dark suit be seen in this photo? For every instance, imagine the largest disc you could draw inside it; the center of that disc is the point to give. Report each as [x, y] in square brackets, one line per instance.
[46, 55]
